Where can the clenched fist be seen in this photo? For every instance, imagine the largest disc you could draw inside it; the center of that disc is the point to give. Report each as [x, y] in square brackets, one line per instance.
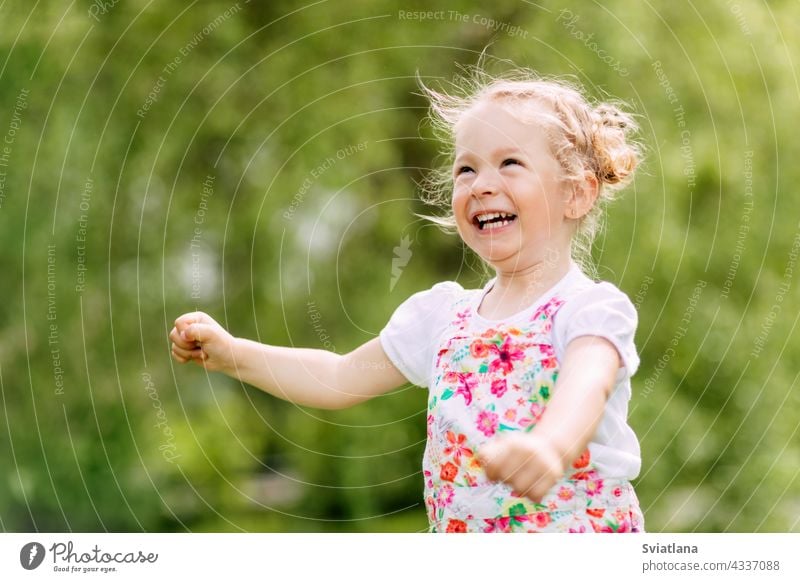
[198, 338]
[530, 464]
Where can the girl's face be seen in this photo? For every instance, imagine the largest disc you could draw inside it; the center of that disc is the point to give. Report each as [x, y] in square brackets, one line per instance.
[504, 166]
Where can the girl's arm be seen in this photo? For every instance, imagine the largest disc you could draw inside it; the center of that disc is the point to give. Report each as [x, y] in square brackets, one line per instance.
[584, 385]
[305, 376]
[533, 462]
[317, 378]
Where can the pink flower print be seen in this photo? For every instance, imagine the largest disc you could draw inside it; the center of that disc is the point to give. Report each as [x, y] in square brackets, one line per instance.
[549, 363]
[520, 518]
[542, 519]
[430, 426]
[467, 384]
[499, 524]
[600, 528]
[456, 446]
[489, 333]
[594, 487]
[461, 318]
[478, 349]
[487, 422]
[545, 310]
[624, 524]
[511, 414]
[507, 353]
[446, 494]
[565, 493]
[536, 411]
[617, 492]
[451, 377]
[499, 387]
[547, 350]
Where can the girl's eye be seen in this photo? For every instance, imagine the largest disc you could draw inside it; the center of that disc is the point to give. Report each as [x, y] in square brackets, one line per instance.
[510, 161]
[463, 169]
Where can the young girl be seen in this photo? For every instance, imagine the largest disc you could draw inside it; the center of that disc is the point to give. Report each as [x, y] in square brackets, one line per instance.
[529, 377]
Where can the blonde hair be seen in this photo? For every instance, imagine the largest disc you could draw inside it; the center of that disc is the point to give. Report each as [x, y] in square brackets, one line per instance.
[582, 136]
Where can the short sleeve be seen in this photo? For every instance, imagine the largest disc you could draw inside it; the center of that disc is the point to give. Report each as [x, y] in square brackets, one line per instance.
[412, 334]
[601, 310]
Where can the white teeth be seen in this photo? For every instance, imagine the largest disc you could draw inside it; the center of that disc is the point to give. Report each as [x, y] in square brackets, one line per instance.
[483, 218]
[493, 225]
[491, 215]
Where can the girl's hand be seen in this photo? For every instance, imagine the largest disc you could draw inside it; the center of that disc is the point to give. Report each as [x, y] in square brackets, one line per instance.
[529, 463]
[198, 338]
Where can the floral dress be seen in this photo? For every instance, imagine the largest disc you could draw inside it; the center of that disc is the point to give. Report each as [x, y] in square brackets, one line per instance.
[490, 380]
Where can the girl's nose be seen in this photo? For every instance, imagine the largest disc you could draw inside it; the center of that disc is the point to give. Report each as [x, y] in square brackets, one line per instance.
[485, 183]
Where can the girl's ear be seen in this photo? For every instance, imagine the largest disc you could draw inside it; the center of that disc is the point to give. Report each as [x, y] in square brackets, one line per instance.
[582, 196]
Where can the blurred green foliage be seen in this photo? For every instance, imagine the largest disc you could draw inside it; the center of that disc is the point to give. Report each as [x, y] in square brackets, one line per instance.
[146, 101]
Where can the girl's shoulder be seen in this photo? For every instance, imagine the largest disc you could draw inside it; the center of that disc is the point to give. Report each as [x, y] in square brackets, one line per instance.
[448, 288]
[582, 289]
[589, 291]
[599, 308]
[411, 336]
[431, 303]
[597, 300]
[441, 293]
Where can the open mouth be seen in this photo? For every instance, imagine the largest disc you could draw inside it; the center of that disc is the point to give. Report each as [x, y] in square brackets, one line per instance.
[494, 220]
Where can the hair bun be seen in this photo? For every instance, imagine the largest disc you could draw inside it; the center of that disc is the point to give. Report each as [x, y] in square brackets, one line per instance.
[615, 156]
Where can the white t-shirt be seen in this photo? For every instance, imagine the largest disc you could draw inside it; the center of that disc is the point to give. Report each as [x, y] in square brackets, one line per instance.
[414, 332]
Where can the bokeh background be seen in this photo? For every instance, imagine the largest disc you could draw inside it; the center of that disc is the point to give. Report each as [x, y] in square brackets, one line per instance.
[260, 161]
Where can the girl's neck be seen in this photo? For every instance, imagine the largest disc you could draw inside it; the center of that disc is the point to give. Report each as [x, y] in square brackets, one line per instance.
[514, 291]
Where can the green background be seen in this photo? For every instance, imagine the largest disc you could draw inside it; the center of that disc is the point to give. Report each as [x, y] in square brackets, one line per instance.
[259, 98]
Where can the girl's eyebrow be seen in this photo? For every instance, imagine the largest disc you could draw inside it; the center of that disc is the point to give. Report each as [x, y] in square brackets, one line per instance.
[499, 152]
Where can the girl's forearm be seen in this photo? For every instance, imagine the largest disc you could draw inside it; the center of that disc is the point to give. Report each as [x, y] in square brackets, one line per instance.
[579, 397]
[301, 375]
[571, 420]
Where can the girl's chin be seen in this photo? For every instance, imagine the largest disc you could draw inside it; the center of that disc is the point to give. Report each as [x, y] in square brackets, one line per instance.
[496, 254]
